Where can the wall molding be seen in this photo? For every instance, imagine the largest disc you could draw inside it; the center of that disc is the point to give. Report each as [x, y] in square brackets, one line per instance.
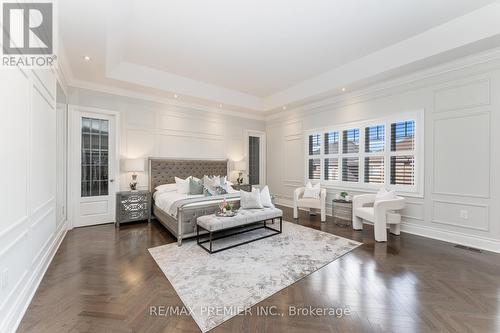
[462, 85]
[390, 87]
[452, 237]
[467, 114]
[486, 208]
[14, 316]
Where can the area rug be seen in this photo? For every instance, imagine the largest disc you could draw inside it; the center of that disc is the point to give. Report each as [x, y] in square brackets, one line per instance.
[216, 287]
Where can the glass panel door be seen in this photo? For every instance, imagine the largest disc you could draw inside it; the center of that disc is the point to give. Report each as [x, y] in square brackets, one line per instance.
[94, 161]
[254, 160]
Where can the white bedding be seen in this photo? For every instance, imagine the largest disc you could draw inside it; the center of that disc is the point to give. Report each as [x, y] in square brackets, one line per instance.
[165, 200]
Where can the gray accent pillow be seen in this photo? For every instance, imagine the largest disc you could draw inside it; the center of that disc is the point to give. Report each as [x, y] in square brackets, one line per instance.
[220, 190]
[195, 186]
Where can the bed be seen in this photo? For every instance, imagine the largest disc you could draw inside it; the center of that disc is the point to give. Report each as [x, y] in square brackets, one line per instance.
[178, 213]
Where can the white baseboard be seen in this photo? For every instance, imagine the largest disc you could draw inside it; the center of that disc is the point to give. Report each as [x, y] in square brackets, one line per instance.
[24, 297]
[454, 237]
[482, 243]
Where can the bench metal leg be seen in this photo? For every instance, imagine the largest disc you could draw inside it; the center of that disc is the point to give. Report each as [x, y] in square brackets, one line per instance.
[211, 239]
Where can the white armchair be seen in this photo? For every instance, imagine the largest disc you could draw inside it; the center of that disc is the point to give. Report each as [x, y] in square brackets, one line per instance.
[382, 213]
[300, 202]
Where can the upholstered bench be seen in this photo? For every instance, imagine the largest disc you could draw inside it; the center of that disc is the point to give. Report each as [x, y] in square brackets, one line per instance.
[214, 224]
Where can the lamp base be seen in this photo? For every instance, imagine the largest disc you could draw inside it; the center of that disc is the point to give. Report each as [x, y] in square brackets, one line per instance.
[133, 183]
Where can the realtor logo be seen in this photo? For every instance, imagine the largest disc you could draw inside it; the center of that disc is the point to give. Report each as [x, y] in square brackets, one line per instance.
[27, 36]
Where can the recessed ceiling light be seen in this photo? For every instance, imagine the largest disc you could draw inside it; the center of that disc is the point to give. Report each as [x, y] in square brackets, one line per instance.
[284, 107]
[176, 96]
[343, 89]
[87, 58]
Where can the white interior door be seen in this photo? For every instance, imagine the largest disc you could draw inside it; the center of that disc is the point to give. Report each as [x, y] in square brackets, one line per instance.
[93, 167]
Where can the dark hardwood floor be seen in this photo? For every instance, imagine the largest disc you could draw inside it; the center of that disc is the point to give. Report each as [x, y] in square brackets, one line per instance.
[103, 279]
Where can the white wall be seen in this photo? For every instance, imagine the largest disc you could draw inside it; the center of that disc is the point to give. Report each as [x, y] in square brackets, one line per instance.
[29, 233]
[460, 169]
[151, 129]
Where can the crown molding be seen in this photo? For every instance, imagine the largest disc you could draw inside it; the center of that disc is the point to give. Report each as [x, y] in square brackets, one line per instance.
[384, 87]
[82, 84]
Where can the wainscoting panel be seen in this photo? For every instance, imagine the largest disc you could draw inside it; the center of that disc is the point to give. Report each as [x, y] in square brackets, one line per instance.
[293, 151]
[43, 150]
[460, 214]
[292, 128]
[414, 210]
[190, 147]
[462, 155]
[471, 94]
[14, 125]
[29, 235]
[140, 142]
[461, 126]
[191, 125]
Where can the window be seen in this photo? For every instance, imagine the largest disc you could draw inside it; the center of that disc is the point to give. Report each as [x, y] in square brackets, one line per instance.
[331, 169]
[374, 170]
[374, 139]
[367, 154]
[314, 144]
[402, 136]
[314, 164]
[350, 139]
[314, 168]
[350, 169]
[403, 153]
[94, 162]
[402, 170]
[332, 143]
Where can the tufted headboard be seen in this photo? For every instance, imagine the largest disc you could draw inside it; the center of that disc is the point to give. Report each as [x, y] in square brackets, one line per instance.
[164, 170]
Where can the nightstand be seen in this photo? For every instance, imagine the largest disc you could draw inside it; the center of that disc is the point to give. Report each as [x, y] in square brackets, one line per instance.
[342, 210]
[133, 206]
[244, 187]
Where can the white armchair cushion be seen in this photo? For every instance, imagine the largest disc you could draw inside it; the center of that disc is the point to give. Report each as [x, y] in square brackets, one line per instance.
[311, 191]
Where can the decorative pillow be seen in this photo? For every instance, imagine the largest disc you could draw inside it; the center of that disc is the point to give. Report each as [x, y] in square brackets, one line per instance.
[166, 188]
[220, 190]
[311, 191]
[182, 185]
[206, 192]
[211, 182]
[265, 197]
[195, 186]
[250, 200]
[383, 194]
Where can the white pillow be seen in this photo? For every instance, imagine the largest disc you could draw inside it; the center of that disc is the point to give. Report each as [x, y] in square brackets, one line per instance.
[166, 188]
[250, 200]
[383, 194]
[311, 191]
[265, 197]
[182, 185]
[211, 182]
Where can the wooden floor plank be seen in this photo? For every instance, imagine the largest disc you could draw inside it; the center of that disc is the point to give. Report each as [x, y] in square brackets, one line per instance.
[103, 279]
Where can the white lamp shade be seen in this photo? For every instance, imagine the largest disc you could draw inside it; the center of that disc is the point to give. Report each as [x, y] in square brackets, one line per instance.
[134, 165]
[240, 165]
